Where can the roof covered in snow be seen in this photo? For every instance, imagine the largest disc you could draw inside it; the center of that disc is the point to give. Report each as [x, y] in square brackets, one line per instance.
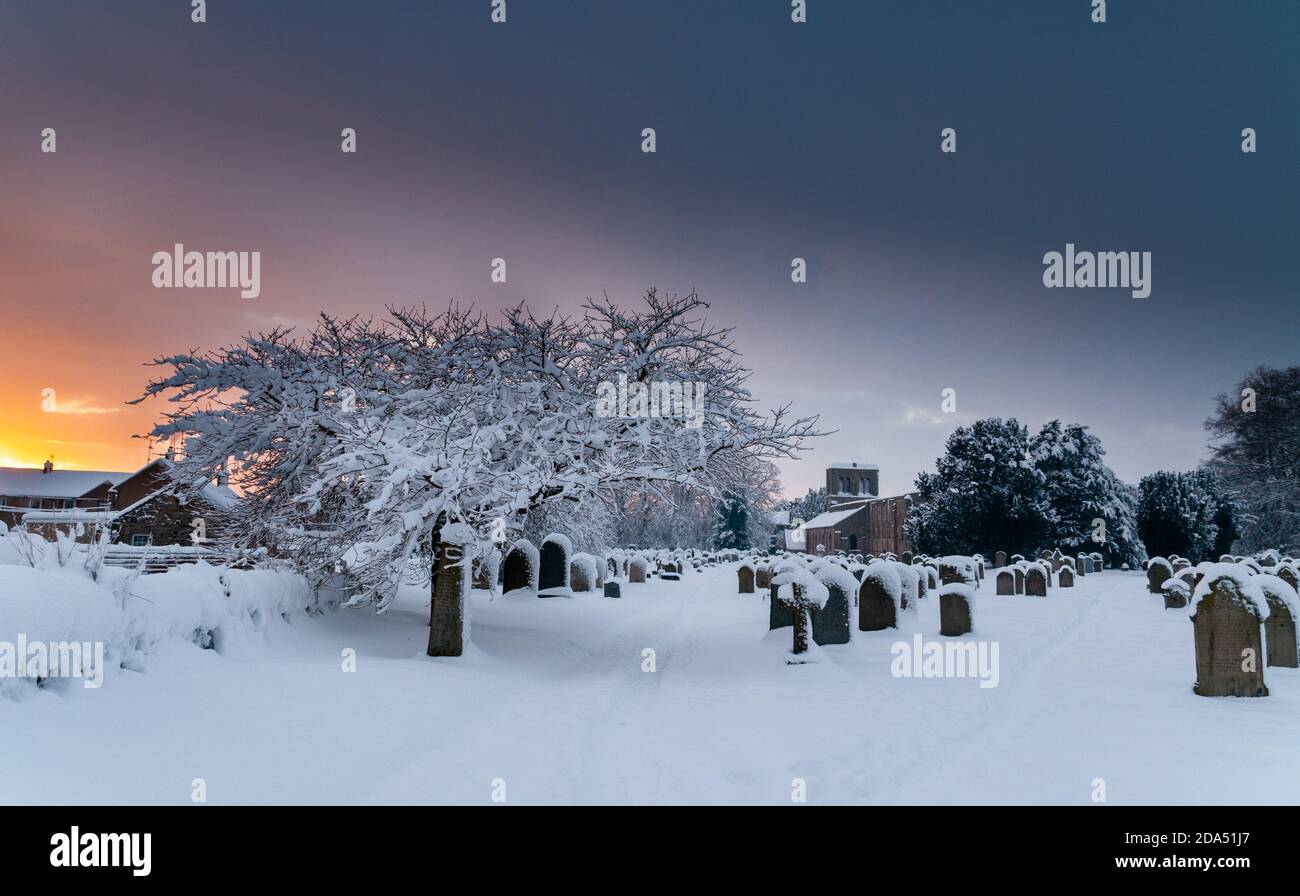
[36, 483]
[830, 518]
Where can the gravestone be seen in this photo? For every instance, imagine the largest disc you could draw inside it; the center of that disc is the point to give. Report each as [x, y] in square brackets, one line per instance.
[830, 624]
[955, 610]
[515, 572]
[612, 590]
[1176, 593]
[1098, 561]
[957, 571]
[1279, 631]
[1065, 578]
[1180, 564]
[486, 569]
[1000, 559]
[876, 610]
[552, 577]
[779, 614]
[763, 576]
[579, 579]
[636, 569]
[746, 575]
[1020, 579]
[1035, 582]
[1228, 635]
[611, 568]
[1081, 565]
[1157, 571]
[669, 575]
[1287, 574]
[1006, 582]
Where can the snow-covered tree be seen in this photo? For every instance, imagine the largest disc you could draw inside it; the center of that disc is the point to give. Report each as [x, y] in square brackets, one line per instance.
[1179, 513]
[731, 531]
[1088, 507]
[383, 442]
[985, 495]
[1255, 454]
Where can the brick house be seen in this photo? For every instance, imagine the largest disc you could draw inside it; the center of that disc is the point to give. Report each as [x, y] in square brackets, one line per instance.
[141, 508]
[47, 489]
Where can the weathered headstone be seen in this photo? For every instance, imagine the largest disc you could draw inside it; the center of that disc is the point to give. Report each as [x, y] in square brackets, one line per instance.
[1065, 578]
[1287, 574]
[612, 590]
[1229, 644]
[1036, 582]
[1020, 579]
[579, 577]
[876, 608]
[906, 558]
[955, 609]
[1279, 627]
[1081, 565]
[636, 569]
[746, 575]
[1006, 582]
[778, 614]
[1000, 559]
[1176, 593]
[763, 576]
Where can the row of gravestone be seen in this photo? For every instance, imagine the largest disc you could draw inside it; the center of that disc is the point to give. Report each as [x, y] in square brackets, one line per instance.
[1031, 579]
[1083, 564]
[881, 591]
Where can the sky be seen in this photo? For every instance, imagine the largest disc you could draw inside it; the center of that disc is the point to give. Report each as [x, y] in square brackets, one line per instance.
[775, 140]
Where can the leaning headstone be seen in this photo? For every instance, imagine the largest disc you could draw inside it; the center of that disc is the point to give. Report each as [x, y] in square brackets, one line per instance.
[1158, 569]
[612, 590]
[1006, 582]
[956, 609]
[1279, 627]
[1036, 582]
[1065, 578]
[746, 576]
[1000, 559]
[1228, 611]
[879, 597]
[553, 577]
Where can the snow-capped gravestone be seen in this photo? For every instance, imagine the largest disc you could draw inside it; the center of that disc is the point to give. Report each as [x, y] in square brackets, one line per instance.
[582, 573]
[906, 558]
[799, 591]
[553, 575]
[1065, 578]
[1000, 559]
[1020, 579]
[879, 598]
[1006, 582]
[1036, 581]
[1180, 564]
[1158, 569]
[960, 570]
[520, 567]
[763, 575]
[1098, 561]
[956, 609]
[636, 569]
[910, 579]
[1228, 611]
[746, 576]
[1288, 575]
[830, 623]
[1176, 592]
[1081, 565]
[1279, 628]
[612, 589]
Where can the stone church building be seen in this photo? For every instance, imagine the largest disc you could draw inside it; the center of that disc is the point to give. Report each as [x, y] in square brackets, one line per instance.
[857, 519]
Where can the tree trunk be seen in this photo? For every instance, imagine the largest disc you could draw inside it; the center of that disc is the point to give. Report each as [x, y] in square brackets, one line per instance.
[448, 605]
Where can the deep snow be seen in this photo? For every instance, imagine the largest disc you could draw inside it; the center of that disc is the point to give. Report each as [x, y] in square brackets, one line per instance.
[1094, 682]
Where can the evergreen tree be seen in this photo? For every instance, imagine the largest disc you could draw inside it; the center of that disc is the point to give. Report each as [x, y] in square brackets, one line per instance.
[1176, 515]
[732, 528]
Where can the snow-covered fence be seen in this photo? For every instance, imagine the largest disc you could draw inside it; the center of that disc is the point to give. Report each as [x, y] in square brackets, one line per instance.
[151, 560]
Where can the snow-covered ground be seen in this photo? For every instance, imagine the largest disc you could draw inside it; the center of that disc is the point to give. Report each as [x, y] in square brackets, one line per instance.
[1094, 683]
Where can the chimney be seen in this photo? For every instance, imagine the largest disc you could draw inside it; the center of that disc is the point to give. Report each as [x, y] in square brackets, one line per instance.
[48, 467]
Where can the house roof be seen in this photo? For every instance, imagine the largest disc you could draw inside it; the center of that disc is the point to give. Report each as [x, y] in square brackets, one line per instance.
[851, 465]
[831, 518]
[36, 483]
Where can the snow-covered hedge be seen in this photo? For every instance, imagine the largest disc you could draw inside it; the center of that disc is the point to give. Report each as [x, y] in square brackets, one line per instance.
[134, 616]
